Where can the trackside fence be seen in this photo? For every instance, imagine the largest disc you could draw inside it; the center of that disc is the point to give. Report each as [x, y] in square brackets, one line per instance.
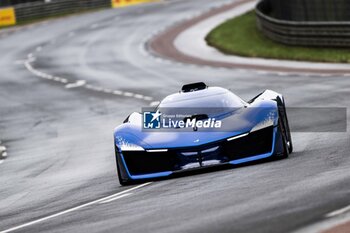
[300, 32]
[37, 10]
[24, 12]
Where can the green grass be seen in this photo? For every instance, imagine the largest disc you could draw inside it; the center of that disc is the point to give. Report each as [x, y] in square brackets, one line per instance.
[240, 36]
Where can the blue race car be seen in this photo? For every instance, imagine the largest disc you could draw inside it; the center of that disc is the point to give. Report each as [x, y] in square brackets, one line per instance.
[201, 127]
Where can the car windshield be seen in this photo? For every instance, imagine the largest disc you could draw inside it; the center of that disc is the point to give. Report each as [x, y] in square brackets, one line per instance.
[210, 104]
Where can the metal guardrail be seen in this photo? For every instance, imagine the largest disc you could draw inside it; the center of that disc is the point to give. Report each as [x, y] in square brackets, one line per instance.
[37, 10]
[9, 3]
[305, 33]
[32, 10]
[310, 10]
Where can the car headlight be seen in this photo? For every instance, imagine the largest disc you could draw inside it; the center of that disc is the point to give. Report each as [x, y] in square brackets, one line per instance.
[131, 147]
[262, 125]
[125, 145]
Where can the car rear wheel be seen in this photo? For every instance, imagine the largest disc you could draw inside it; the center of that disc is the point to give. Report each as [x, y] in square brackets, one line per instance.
[287, 129]
[284, 140]
[285, 124]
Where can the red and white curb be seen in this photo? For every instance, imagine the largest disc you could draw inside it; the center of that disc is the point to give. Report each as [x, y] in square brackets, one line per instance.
[184, 44]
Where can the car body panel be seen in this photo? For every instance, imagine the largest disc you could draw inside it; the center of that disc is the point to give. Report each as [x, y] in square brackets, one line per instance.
[254, 125]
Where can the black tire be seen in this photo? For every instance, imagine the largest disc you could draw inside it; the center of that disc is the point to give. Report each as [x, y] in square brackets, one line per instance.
[282, 113]
[288, 134]
[284, 140]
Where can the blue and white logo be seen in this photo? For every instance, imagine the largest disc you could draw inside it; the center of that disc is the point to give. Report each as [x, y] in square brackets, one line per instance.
[151, 120]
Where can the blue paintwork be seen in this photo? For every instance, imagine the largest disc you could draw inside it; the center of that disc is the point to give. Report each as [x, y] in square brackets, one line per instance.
[257, 157]
[241, 121]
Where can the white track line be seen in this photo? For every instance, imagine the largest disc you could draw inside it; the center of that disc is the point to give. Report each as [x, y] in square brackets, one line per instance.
[154, 103]
[115, 198]
[128, 94]
[106, 90]
[3, 153]
[116, 92]
[2, 149]
[138, 96]
[79, 83]
[338, 212]
[73, 209]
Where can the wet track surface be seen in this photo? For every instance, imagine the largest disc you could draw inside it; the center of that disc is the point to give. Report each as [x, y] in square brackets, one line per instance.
[60, 140]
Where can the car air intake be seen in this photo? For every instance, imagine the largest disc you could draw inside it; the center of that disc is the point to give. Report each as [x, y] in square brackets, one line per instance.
[194, 87]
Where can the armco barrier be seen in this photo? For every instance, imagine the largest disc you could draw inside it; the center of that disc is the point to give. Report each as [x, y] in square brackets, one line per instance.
[123, 3]
[39, 10]
[305, 33]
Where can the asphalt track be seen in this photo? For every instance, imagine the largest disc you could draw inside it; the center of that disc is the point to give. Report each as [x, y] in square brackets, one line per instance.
[60, 171]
